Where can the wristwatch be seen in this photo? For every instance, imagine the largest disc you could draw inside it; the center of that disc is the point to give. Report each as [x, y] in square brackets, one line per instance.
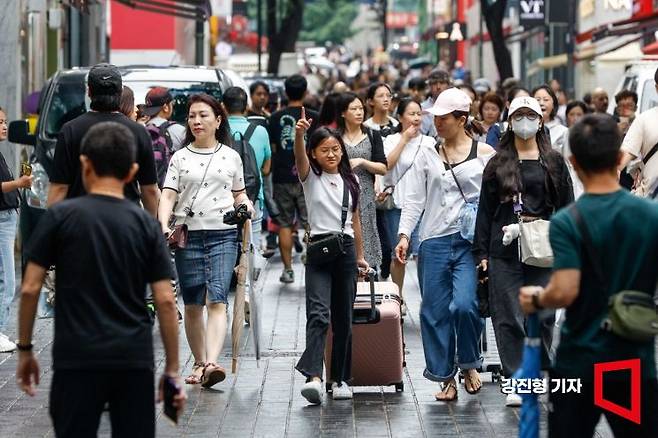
[535, 300]
[22, 347]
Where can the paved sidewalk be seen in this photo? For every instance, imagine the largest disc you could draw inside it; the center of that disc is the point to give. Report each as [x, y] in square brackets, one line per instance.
[264, 400]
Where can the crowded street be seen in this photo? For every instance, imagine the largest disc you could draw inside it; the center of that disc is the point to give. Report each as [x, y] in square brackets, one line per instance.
[261, 400]
[329, 218]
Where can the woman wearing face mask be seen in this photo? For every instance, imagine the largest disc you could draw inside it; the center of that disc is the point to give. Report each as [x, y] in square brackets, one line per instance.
[445, 183]
[365, 150]
[497, 129]
[526, 180]
[379, 98]
[549, 106]
[402, 149]
[204, 181]
[328, 181]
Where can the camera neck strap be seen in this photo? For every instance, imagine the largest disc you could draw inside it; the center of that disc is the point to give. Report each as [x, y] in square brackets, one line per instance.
[190, 213]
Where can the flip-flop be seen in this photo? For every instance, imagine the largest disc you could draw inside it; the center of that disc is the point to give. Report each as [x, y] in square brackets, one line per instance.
[193, 379]
[444, 390]
[467, 377]
[212, 375]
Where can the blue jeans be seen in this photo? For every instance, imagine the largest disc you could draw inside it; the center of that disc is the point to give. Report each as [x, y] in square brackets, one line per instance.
[205, 266]
[8, 221]
[449, 308]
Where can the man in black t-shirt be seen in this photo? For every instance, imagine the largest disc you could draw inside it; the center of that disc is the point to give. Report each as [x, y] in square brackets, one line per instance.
[105, 250]
[105, 87]
[288, 192]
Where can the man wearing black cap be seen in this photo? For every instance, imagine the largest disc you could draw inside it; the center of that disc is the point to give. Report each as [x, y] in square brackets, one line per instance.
[439, 81]
[159, 107]
[104, 89]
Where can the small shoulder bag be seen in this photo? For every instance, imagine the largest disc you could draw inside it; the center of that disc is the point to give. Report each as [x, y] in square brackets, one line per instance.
[328, 247]
[387, 203]
[632, 314]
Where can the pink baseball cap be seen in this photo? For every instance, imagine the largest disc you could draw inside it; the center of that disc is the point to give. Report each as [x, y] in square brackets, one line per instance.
[452, 99]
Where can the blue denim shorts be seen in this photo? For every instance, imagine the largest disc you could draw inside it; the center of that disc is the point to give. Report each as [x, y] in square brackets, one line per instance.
[392, 223]
[205, 266]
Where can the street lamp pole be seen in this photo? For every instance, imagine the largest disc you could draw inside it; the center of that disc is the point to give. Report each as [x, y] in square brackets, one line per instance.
[199, 34]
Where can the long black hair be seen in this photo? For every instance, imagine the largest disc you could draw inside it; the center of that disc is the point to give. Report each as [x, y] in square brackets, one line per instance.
[505, 169]
[329, 110]
[344, 168]
[223, 133]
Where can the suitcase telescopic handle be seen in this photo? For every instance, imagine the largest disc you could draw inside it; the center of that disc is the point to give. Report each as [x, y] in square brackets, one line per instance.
[373, 305]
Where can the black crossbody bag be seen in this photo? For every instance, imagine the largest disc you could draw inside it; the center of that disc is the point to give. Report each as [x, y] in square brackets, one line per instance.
[328, 247]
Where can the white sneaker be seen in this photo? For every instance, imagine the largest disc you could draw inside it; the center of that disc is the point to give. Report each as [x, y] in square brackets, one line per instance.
[287, 276]
[312, 391]
[6, 346]
[513, 401]
[341, 392]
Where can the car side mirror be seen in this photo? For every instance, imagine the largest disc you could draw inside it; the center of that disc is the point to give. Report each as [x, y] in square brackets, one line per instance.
[19, 132]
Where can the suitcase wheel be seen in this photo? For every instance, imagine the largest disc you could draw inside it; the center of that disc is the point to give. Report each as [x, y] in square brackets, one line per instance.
[327, 387]
[399, 387]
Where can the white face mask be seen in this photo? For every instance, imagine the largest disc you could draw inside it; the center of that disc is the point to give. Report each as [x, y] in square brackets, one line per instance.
[525, 128]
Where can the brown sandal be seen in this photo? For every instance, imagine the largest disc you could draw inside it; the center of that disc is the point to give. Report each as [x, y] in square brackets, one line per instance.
[212, 375]
[193, 379]
[445, 389]
[470, 380]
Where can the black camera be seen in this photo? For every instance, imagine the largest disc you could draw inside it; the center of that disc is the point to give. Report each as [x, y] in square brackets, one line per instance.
[237, 216]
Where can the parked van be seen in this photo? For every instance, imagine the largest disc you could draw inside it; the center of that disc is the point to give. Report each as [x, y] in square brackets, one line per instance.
[639, 77]
[64, 98]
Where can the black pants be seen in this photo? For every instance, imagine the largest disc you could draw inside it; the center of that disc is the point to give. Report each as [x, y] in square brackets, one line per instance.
[575, 415]
[385, 242]
[77, 398]
[330, 292]
[506, 277]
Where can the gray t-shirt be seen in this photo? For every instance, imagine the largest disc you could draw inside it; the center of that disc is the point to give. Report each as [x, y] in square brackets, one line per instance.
[176, 131]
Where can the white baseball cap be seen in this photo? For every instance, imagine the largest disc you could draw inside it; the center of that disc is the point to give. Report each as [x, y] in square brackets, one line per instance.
[525, 102]
[452, 99]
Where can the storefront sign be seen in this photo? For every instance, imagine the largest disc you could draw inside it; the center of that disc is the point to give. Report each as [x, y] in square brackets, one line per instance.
[531, 13]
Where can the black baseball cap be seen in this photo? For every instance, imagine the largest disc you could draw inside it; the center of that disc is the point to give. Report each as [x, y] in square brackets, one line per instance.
[156, 98]
[105, 79]
[417, 84]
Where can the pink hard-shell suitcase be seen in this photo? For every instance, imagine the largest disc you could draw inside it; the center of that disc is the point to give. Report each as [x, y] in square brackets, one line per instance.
[377, 337]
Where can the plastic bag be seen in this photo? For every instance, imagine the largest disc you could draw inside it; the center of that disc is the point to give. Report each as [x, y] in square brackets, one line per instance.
[467, 215]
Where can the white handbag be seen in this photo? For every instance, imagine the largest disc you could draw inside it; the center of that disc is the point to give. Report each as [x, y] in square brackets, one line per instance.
[534, 245]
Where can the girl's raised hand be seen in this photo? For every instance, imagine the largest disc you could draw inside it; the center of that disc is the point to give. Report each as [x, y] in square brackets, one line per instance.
[303, 125]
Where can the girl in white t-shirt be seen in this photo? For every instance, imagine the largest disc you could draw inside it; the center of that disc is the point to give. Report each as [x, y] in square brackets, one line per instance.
[205, 181]
[325, 172]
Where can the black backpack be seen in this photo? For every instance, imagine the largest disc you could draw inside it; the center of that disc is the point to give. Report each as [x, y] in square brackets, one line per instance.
[249, 163]
[162, 148]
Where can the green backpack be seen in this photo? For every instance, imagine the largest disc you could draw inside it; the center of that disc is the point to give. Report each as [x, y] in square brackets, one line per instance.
[632, 314]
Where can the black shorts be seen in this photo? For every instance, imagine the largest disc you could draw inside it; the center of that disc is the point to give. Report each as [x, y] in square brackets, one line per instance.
[77, 399]
[289, 197]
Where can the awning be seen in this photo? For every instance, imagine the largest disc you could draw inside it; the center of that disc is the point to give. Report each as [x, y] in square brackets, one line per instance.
[547, 63]
[604, 52]
[198, 10]
[629, 26]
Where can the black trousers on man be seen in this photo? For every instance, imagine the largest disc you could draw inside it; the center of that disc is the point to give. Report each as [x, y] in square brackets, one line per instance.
[330, 293]
[77, 399]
